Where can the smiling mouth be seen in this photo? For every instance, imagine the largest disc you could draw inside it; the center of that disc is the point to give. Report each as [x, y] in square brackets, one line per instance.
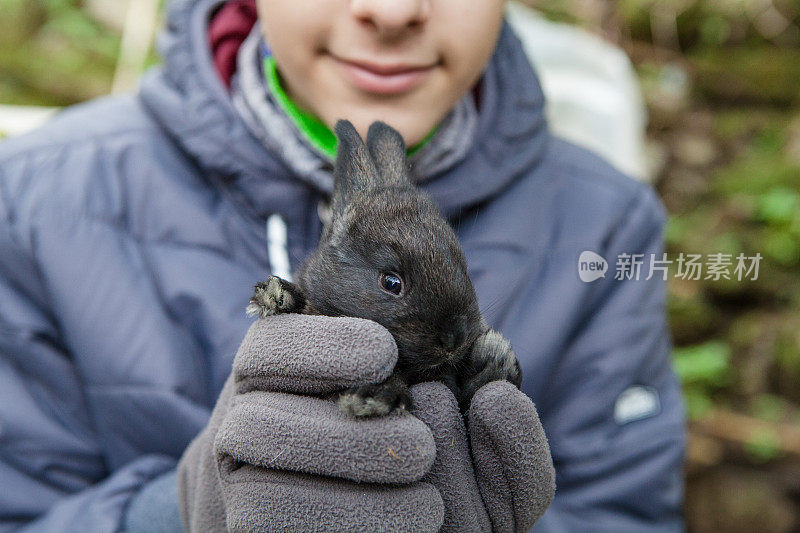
[383, 79]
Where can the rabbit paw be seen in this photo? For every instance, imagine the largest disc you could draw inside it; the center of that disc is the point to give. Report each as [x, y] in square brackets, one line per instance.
[375, 400]
[492, 359]
[275, 296]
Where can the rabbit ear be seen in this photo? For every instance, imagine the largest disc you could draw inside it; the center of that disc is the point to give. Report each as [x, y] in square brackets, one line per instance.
[388, 150]
[354, 169]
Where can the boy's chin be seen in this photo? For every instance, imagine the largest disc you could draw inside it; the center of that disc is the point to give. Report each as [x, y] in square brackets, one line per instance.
[414, 125]
[413, 114]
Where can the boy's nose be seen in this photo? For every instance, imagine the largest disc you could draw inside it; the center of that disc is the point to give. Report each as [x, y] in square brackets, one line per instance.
[391, 17]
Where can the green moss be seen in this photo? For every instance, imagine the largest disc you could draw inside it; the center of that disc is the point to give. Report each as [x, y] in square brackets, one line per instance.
[698, 403]
[787, 346]
[21, 19]
[763, 445]
[769, 407]
[703, 364]
[779, 206]
[747, 74]
[755, 172]
[782, 248]
[691, 318]
[692, 231]
[558, 11]
[730, 124]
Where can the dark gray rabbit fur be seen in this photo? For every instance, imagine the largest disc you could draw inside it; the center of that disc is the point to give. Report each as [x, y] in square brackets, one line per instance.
[388, 255]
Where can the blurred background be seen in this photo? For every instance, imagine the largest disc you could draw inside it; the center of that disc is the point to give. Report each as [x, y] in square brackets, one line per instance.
[720, 81]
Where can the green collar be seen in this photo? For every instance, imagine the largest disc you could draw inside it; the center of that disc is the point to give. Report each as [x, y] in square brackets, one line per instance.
[312, 128]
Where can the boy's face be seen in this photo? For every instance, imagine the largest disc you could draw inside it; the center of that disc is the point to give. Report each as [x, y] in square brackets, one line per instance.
[406, 62]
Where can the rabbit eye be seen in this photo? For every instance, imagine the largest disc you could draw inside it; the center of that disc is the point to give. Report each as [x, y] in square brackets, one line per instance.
[391, 283]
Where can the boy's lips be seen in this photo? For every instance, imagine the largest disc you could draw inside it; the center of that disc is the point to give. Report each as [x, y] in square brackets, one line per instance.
[384, 79]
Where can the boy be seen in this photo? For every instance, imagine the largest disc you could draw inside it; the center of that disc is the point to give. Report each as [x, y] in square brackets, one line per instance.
[133, 229]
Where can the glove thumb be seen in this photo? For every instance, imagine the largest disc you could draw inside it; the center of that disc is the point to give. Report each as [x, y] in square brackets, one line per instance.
[452, 472]
[513, 466]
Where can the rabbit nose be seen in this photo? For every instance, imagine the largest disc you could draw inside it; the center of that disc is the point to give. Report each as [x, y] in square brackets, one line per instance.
[454, 333]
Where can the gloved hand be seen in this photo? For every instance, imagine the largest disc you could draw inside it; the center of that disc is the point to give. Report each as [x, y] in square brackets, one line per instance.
[274, 457]
[507, 481]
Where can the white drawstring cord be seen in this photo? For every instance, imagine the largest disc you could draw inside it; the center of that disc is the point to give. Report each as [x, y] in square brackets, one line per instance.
[277, 248]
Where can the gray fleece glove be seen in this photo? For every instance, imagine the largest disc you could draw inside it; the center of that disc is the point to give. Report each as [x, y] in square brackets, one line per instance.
[278, 455]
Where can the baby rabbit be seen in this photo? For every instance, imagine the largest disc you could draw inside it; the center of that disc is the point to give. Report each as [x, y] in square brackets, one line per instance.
[387, 255]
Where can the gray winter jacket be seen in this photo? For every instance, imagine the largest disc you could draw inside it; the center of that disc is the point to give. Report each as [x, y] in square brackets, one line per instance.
[132, 230]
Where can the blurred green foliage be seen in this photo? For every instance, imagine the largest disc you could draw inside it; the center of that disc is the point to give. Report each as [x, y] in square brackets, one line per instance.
[741, 74]
[703, 369]
[52, 52]
[763, 445]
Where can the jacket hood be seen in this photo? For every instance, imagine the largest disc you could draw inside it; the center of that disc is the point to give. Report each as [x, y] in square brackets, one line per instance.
[187, 97]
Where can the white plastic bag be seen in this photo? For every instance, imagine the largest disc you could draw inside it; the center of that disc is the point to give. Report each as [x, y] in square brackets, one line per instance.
[592, 94]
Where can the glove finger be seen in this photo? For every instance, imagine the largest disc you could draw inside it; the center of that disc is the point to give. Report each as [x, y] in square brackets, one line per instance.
[511, 456]
[311, 435]
[259, 499]
[309, 354]
[452, 472]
